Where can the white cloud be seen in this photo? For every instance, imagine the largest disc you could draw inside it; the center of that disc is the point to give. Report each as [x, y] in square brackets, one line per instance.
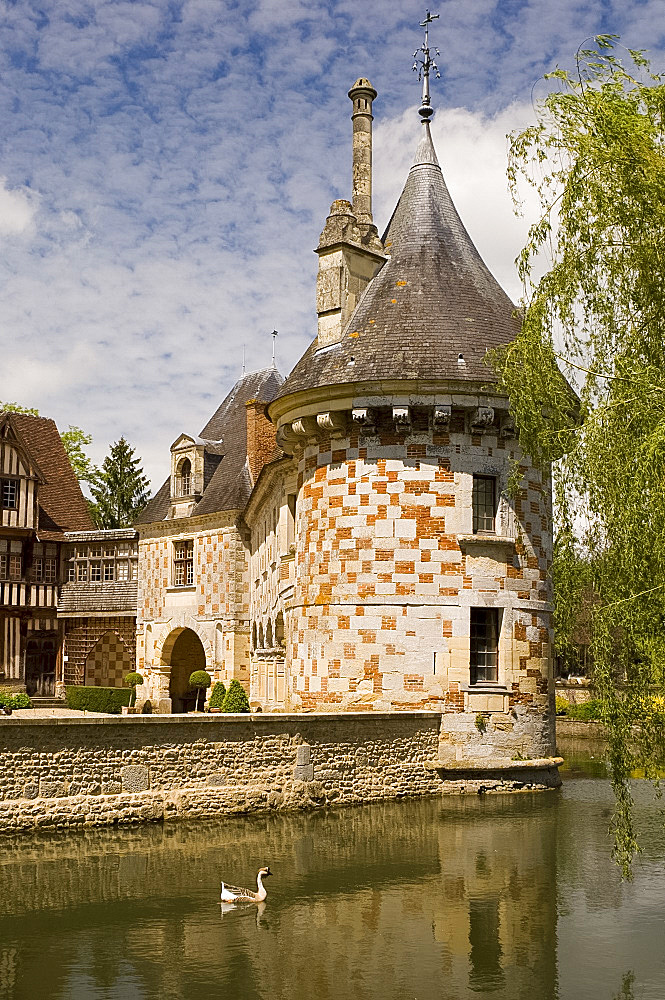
[18, 207]
[185, 156]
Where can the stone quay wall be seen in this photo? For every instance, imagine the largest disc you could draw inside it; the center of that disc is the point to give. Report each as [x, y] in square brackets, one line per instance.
[80, 772]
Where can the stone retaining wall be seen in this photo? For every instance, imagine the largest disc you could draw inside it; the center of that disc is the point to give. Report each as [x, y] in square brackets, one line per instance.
[74, 772]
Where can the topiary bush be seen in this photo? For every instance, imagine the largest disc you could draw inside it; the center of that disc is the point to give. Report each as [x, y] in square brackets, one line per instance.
[236, 699]
[19, 700]
[216, 699]
[131, 680]
[97, 699]
[201, 680]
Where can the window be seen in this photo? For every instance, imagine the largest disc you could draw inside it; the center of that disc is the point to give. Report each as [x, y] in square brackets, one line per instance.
[484, 645]
[484, 504]
[184, 479]
[102, 561]
[50, 570]
[183, 563]
[10, 560]
[9, 488]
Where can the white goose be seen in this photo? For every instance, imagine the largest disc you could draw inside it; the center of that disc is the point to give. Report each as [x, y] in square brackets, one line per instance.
[234, 894]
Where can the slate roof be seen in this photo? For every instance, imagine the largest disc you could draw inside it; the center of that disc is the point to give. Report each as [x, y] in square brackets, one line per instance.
[62, 506]
[230, 484]
[85, 598]
[432, 300]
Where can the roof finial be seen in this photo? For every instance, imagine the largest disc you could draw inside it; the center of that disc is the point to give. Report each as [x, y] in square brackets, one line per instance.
[274, 336]
[422, 66]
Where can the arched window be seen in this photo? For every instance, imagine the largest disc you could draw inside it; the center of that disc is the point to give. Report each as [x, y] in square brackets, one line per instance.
[184, 478]
[254, 636]
[279, 630]
[261, 646]
[269, 635]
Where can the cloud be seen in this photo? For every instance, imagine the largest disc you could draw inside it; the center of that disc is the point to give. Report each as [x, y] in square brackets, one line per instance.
[18, 207]
[167, 169]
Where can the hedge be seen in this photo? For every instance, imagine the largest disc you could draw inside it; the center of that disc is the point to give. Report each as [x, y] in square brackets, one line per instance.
[97, 699]
[19, 700]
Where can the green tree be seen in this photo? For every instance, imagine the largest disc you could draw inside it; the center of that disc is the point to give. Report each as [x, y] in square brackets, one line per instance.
[75, 440]
[200, 680]
[216, 699]
[235, 699]
[132, 679]
[119, 489]
[17, 408]
[596, 157]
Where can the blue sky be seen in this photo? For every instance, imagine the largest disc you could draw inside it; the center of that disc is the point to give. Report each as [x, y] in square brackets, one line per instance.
[166, 168]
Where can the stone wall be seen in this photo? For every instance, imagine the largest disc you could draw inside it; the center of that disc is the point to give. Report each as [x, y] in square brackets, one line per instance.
[62, 773]
[94, 772]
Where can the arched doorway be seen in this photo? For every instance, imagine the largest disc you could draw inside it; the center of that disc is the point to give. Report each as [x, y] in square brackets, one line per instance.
[185, 655]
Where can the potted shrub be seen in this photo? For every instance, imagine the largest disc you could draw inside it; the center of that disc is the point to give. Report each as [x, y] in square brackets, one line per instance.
[217, 695]
[236, 699]
[201, 681]
[131, 680]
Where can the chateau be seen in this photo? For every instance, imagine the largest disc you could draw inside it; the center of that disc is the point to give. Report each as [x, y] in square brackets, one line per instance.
[345, 539]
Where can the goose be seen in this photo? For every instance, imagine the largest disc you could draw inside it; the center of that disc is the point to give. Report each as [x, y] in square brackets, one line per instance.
[234, 894]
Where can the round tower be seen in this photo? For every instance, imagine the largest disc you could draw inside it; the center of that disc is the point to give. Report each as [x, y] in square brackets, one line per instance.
[420, 580]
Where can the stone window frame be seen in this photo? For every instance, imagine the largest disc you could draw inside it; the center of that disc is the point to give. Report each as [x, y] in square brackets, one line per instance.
[9, 493]
[184, 478]
[484, 630]
[183, 563]
[484, 504]
[98, 561]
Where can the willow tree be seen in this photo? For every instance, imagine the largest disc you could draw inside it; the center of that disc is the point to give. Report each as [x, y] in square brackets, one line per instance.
[596, 320]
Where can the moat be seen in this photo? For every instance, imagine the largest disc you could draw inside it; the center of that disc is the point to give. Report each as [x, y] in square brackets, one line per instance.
[511, 896]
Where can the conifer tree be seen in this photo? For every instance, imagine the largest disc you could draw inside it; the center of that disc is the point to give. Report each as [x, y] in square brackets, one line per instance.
[120, 489]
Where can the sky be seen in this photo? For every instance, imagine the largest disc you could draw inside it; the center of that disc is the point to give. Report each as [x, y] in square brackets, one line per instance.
[166, 167]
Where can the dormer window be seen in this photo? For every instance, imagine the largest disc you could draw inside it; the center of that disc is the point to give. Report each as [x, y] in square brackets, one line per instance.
[9, 493]
[184, 478]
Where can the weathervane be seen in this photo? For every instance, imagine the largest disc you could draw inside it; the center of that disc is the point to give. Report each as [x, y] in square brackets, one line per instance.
[274, 336]
[422, 66]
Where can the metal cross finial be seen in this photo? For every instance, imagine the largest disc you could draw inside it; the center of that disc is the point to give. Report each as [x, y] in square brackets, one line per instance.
[274, 336]
[422, 66]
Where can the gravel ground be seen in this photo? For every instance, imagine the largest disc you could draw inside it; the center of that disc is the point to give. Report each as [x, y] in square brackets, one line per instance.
[51, 713]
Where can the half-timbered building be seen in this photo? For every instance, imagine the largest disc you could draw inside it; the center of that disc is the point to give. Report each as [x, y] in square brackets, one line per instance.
[40, 500]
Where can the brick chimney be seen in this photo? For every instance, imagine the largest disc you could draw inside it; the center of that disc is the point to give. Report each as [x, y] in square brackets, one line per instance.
[260, 437]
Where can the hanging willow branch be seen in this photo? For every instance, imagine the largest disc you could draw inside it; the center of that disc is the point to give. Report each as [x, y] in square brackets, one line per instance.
[596, 157]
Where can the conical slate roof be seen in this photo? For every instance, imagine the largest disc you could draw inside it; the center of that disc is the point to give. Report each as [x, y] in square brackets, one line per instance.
[432, 300]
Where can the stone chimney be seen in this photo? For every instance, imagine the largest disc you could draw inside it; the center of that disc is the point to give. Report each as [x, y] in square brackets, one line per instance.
[350, 251]
[362, 94]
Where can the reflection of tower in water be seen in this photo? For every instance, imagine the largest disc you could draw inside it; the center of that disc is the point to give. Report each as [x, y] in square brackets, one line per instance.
[497, 919]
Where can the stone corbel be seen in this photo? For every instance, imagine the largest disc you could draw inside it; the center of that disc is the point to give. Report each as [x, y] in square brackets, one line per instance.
[507, 425]
[482, 418]
[332, 422]
[441, 416]
[285, 438]
[402, 419]
[363, 419]
[304, 427]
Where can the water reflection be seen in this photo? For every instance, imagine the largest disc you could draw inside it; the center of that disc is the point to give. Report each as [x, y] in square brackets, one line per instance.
[446, 898]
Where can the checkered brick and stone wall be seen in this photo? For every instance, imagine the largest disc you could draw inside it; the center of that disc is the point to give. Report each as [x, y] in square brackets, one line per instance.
[387, 569]
[215, 607]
